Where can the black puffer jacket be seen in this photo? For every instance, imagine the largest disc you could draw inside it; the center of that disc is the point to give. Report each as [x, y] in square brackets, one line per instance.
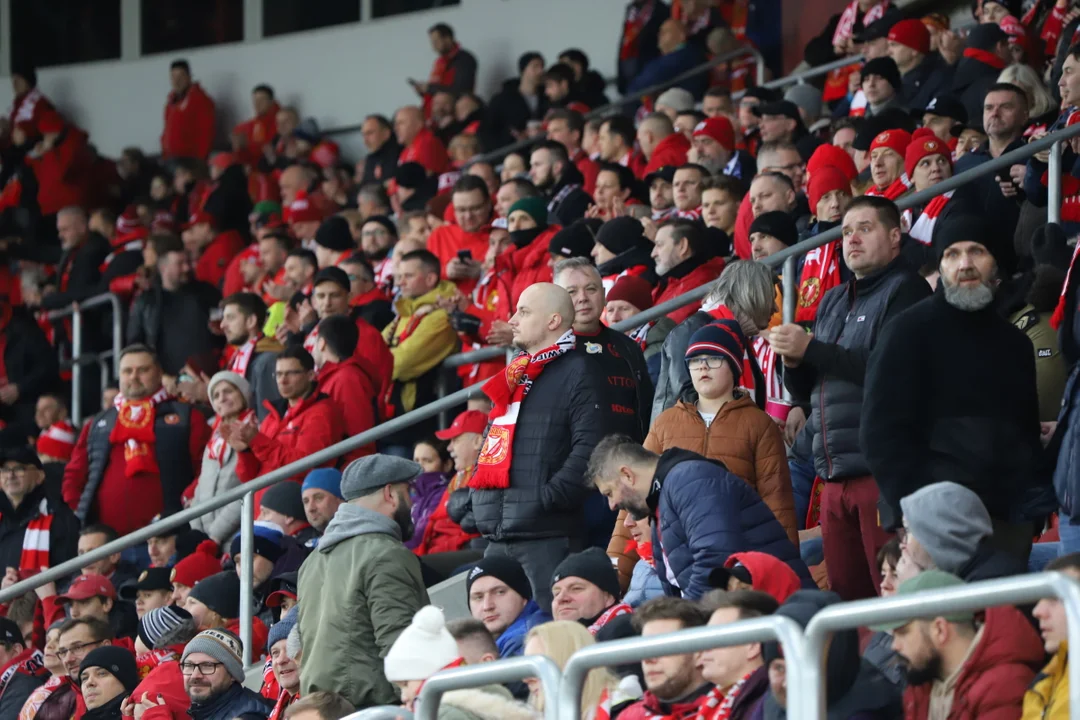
[174, 324]
[560, 422]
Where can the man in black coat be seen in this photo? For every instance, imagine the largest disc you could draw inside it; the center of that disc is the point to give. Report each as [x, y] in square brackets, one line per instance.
[520, 101]
[383, 150]
[561, 182]
[528, 492]
[924, 73]
[30, 369]
[922, 422]
[24, 508]
[985, 56]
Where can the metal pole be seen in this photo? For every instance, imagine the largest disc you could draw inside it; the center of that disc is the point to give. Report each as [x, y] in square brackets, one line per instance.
[791, 288]
[117, 333]
[103, 368]
[76, 366]
[247, 548]
[759, 64]
[493, 673]
[1053, 196]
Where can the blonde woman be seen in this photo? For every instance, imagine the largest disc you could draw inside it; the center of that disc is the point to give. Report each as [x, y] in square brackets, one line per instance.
[558, 640]
[1040, 101]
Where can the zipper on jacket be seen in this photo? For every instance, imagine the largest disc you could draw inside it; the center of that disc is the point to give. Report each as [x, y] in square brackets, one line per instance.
[824, 429]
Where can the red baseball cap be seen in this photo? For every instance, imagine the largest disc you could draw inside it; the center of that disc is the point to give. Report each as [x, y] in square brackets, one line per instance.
[85, 587]
[472, 421]
[911, 33]
[199, 217]
[719, 129]
[303, 210]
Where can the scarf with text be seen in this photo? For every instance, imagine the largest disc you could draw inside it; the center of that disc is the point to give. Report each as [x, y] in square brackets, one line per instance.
[218, 449]
[845, 28]
[820, 273]
[640, 334]
[147, 661]
[610, 614]
[923, 227]
[29, 662]
[35, 544]
[899, 186]
[637, 17]
[507, 391]
[243, 355]
[135, 430]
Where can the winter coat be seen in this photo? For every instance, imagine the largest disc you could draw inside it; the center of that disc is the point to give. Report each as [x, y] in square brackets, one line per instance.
[745, 439]
[379, 166]
[671, 151]
[995, 675]
[21, 684]
[64, 172]
[166, 680]
[684, 277]
[14, 523]
[189, 125]
[971, 81]
[509, 111]
[288, 434]
[1047, 698]
[880, 654]
[355, 394]
[29, 363]
[1050, 369]
[926, 81]
[644, 585]
[443, 533]
[427, 492]
[174, 324]
[215, 478]
[215, 258]
[261, 375]
[704, 514]
[512, 641]
[490, 702]
[638, 50]
[559, 423]
[361, 588]
[55, 700]
[236, 703]
[527, 265]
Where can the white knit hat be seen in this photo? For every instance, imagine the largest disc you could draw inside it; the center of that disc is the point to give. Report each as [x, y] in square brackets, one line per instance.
[422, 649]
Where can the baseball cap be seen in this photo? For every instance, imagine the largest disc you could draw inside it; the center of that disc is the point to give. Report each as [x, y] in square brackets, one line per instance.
[665, 173]
[944, 106]
[85, 587]
[10, 633]
[472, 421]
[928, 580]
[780, 107]
[281, 587]
[159, 578]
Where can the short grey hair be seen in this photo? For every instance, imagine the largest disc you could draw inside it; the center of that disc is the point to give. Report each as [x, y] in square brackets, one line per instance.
[575, 263]
[75, 211]
[745, 286]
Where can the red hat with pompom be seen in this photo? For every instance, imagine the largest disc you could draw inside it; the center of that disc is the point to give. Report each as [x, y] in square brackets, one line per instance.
[197, 566]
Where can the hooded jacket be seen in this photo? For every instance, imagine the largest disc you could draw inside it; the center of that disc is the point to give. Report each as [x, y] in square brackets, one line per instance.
[1047, 698]
[996, 674]
[361, 588]
[490, 702]
[527, 265]
[691, 273]
[355, 393]
[671, 151]
[189, 124]
[512, 641]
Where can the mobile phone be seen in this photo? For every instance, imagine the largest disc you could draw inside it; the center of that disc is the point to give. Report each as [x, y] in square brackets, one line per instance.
[464, 255]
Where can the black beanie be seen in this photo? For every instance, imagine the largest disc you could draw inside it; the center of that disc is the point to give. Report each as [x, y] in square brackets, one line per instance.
[286, 498]
[884, 67]
[621, 234]
[975, 228]
[576, 240]
[410, 175]
[220, 593]
[776, 223]
[334, 234]
[116, 660]
[592, 565]
[502, 568]
[985, 37]
[385, 222]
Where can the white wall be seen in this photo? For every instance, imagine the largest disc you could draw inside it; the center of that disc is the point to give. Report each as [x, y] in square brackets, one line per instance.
[336, 75]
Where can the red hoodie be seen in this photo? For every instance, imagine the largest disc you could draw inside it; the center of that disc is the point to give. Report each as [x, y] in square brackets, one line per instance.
[427, 150]
[769, 574]
[353, 391]
[446, 241]
[189, 124]
[527, 265]
[214, 262]
[672, 151]
[63, 173]
[167, 682]
[672, 287]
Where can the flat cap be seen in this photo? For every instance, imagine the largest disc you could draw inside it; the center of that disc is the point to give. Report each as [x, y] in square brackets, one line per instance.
[375, 471]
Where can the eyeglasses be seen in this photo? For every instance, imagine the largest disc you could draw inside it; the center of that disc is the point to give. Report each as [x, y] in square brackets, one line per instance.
[205, 668]
[712, 362]
[18, 470]
[79, 647]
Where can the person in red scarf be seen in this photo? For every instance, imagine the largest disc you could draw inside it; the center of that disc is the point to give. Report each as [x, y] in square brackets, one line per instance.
[630, 296]
[586, 589]
[250, 137]
[22, 669]
[189, 117]
[454, 70]
[887, 165]
[286, 668]
[683, 263]
[739, 673]
[465, 437]
[927, 162]
[35, 532]
[165, 634]
[985, 55]
[242, 320]
[830, 194]
[345, 378]
[147, 448]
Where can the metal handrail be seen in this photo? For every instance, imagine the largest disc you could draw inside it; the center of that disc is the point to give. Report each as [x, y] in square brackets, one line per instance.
[976, 596]
[493, 673]
[620, 652]
[808, 74]
[75, 310]
[1013, 157]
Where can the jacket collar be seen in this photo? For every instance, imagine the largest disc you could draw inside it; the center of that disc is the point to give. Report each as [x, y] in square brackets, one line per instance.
[861, 286]
[281, 406]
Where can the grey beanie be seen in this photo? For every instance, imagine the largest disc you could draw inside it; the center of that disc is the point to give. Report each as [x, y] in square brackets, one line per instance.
[677, 99]
[280, 630]
[806, 97]
[949, 520]
[234, 379]
[221, 645]
[375, 471]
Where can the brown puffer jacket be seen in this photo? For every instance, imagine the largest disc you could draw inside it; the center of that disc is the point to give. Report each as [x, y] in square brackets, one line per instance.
[741, 436]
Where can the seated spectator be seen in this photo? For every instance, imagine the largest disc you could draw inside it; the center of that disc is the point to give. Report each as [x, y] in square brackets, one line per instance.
[378, 235]
[282, 438]
[93, 596]
[365, 296]
[927, 162]
[420, 144]
[193, 569]
[106, 677]
[724, 422]
[1048, 695]
[465, 436]
[500, 596]
[954, 659]
[567, 128]
[346, 379]
[514, 188]
[163, 635]
[152, 590]
[286, 669]
[162, 547]
[644, 584]
[779, 122]
[213, 672]
[882, 87]
[474, 642]
[559, 179]
[756, 571]
[879, 651]
[714, 150]
[616, 188]
[138, 470]
[621, 249]
[558, 641]
[631, 296]
[924, 73]
[738, 673]
[211, 250]
[321, 492]
[21, 666]
[333, 241]
[660, 145]
[673, 483]
[887, 165]
[986, 53]
[382, 147]
[430, 486]
[661, 195]
[35, 531]
[214, 603]
[586, 588]
[676, 57]
[230, 398]
[58, 693]
[113, 567]
[686, 191]
[242, 320]
[616, 139]
[720, 200]
[283, 506]
[770, 233]
[683, 263]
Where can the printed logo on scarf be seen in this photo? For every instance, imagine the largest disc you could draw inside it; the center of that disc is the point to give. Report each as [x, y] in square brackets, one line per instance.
[809, 292]
[496, 446]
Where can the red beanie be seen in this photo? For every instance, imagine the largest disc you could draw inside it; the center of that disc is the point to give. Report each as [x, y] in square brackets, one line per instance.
[924, 144]
[895, 140]
[911, 33]
[197, 566]
[824, 181]
[831, 156]
[57, 441]
[632, 289]
[718, 128]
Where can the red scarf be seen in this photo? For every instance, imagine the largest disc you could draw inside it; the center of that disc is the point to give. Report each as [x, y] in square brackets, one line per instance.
[985, 57]
[846, 27]
[29, 662]
[820, 273]
[39, 696]
[1059, 312]
[243, 355]
[35, 544]
[640, 334]
[270, 688]
[217, 447]
[894, 191]
[285, 699]
[766, 360]
[923, 227]
[507, 391]
[135, 430]
[637, 17]
[610, 614]
[147, 661]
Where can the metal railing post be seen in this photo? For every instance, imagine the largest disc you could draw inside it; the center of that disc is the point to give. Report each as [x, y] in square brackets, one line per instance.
[759, 66]
[791, 288]
[620, 652]
[1053, 195]
[103, 368]
[117, 334]
[247, 553]
[501, 671]
[76, 366]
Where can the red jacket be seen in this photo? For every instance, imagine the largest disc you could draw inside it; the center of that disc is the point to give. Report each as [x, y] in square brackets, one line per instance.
[353, 391]
[427, 150]
[672, 151]
[214, 262]
[743, 220]
[491, 302]
[165, 681]
[375, 358]
[126, 504]
[671, 287]
[189, 125]
[64, 172]
[993, 681]
[442, 534]
[259, 635]
[257, 132]
[527, 265]
[233, 278]
[446, 241]
[589, 169]
[288, 434]
[27, 110]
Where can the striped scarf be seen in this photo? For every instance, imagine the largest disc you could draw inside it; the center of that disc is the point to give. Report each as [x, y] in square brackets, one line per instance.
[217, 448]
[35, 544]
[610, 614]
[923, 227]
[243, 355]
[285, 699]
[820, 273]
[637, 17]
[845, 28]
[640, 334]
[900, 186]
[766, 359]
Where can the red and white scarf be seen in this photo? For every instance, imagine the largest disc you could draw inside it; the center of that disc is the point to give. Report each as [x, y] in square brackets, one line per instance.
[899, 186]
[694, 214]
[610, 614]
[716, 705]
[218, 449]
[243, 355]
[846, 27]
[820, 273]
[35, 544]
[135, 430]
[29, 662]
[766, 360]
[923, 227]
[640, 334]
[507, 391]
[637, 17]
[38, 697]
[147, 661]
[284, 700]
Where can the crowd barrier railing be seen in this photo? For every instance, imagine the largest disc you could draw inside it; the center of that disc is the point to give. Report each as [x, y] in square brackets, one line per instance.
[503, 671]
[379, 432]
[75, 312]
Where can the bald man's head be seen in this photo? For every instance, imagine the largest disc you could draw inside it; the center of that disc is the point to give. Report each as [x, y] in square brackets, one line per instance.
[652, 130]
[544, 313]
[408, 121]
[294, 179]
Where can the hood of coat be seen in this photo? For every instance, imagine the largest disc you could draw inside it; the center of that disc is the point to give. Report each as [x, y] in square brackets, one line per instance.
[491, 702]
[406, 307]
[351, 521]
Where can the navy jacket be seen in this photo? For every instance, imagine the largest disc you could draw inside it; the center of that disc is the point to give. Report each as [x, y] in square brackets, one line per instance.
[705, 515]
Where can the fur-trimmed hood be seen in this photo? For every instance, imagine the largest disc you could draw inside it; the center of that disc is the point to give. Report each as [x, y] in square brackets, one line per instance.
[492, 702]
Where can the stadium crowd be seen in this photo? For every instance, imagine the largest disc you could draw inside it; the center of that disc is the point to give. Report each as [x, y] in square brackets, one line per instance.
[916, 427]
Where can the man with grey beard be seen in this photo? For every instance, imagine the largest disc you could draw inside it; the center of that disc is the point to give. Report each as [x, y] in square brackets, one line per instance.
[951, 394]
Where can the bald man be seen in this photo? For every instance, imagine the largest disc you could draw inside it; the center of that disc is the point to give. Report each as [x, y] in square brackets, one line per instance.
[294, 179]
[420, 144]
[528, 493]
[657, 137]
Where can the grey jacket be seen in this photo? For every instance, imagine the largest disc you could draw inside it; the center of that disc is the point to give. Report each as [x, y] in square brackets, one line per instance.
[260, 375]
[215, 478]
